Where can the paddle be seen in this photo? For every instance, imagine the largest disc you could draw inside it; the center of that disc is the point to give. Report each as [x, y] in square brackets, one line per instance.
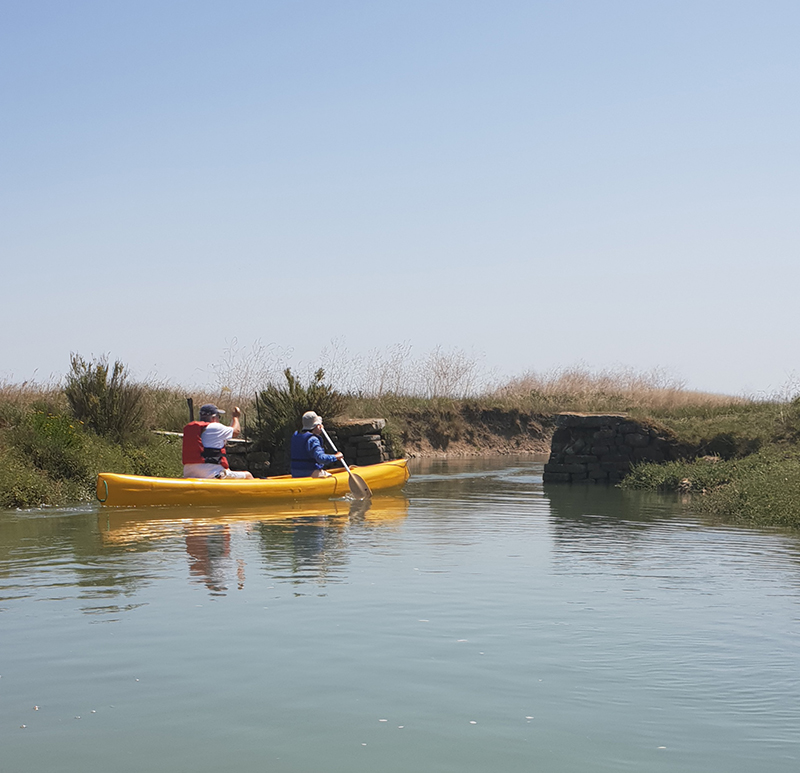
[358, 486]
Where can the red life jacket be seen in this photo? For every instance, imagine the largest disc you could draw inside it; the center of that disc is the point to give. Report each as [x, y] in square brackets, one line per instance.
[193, 450]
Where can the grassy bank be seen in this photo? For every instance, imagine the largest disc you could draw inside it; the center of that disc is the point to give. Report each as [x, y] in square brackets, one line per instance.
[52, 446]
[48, 457]
[761, 489]
[742, 465]
[742, 460]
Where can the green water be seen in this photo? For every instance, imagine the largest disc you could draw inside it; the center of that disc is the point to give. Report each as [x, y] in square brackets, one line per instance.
[478, 622]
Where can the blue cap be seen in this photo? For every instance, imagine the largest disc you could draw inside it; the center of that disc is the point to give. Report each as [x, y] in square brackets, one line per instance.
[209, 409]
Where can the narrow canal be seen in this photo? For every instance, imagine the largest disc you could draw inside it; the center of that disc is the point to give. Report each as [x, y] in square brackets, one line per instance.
[476, 621]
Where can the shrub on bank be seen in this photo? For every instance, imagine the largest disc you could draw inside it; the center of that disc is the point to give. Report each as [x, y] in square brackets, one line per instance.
[280, 408]
[102, 398]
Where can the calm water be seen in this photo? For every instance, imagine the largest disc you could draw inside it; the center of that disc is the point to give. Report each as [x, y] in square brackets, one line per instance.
[477, 622]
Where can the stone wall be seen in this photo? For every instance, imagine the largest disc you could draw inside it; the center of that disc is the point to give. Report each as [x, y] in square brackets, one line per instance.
[360, 440]
[601, 448]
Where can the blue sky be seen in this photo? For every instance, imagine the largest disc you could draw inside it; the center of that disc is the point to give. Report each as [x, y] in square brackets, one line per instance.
[537, 183]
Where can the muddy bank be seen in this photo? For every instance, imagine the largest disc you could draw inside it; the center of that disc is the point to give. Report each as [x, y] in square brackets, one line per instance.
[470, 431]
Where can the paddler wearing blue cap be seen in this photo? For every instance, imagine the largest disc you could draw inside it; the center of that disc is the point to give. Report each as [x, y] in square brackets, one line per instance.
[204, 445]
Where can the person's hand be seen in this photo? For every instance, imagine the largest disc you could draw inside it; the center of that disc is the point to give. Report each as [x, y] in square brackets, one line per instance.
[236, 413]
[339, 455]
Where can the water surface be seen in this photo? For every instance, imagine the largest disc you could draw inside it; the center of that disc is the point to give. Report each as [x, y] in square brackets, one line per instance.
[477, 621]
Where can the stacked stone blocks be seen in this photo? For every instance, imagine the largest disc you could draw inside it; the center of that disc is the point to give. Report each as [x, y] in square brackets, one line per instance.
[601, 448]
[360, 440]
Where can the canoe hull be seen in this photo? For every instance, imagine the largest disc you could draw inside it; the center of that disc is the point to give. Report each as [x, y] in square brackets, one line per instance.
[139, 491]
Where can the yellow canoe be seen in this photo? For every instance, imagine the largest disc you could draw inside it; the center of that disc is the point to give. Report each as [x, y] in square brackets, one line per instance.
[137, 490]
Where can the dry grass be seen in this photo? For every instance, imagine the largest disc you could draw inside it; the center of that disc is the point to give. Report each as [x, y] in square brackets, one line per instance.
[244, 370]
[396, 380]
[624, 389]
[397, 374]
[28, 396]
[395, 370]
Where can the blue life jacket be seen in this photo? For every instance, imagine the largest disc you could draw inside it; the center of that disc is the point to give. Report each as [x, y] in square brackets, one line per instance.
[307, 454]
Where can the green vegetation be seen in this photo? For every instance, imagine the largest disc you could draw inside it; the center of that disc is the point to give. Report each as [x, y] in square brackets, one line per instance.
[742, 454]
[279, 410]
[105, 401]
[732, 429]
[743, 461]
[53, 441]
[50, 458]
[761, 489]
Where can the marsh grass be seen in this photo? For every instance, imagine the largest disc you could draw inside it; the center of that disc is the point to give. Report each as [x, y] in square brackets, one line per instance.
[698, 476]
[23, 485]
[735, 429]
[397, 369]
[52, 459]
[243, 370]
[18, 399]
[48, 456]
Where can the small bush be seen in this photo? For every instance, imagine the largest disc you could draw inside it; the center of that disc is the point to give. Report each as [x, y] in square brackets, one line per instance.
[104, 400]
[280, 409]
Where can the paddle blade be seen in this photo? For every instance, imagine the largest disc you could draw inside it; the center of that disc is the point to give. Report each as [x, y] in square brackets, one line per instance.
[358, 487]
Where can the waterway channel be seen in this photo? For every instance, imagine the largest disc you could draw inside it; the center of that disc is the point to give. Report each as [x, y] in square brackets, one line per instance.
[476, 621]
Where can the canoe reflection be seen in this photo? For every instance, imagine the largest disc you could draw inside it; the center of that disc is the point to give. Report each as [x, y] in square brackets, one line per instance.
[123, 525]
[298, 541]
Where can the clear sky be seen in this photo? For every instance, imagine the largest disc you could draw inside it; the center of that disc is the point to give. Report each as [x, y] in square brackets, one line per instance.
[615, 183]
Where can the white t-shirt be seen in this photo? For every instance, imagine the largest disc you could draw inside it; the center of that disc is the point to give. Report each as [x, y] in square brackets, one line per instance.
[215, 435]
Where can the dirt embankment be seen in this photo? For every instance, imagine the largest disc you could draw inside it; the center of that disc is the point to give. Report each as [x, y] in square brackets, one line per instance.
[468, 431]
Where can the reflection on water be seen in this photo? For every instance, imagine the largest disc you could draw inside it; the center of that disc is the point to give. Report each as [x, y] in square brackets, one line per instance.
[477, 621]
[209, 551]
[300, 541]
